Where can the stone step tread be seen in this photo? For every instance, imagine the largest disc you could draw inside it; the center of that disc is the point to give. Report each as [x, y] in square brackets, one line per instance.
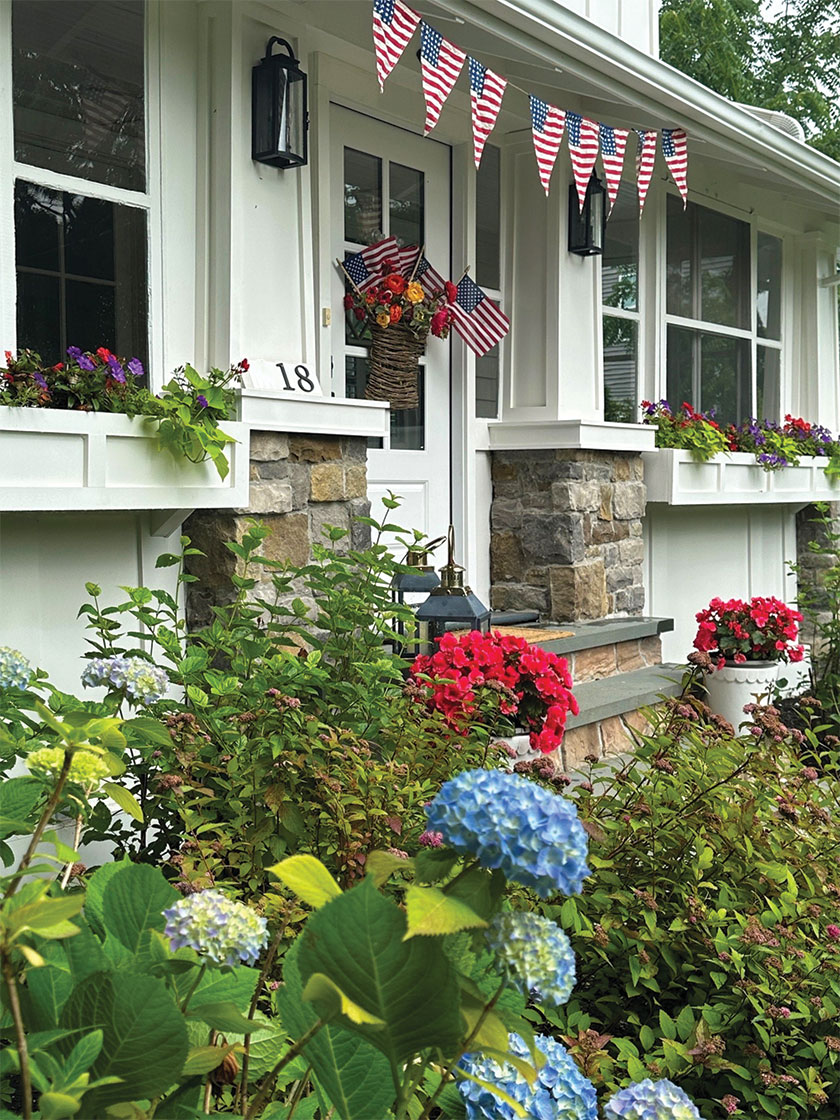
[605, 632]
[625, 692]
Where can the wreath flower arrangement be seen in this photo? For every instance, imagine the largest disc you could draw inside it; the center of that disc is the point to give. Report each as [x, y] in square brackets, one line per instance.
[399, 298]
[534, 687]
[764, 629]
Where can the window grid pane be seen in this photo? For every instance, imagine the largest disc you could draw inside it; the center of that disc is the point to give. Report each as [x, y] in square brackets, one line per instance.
[620, 369]
[620, 260]
[78, 88]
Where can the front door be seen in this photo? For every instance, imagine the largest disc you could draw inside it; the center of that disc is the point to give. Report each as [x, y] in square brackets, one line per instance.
[389, 181]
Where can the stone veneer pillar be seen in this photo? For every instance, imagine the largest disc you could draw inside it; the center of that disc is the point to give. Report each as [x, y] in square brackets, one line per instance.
[813, 567]
[566, 533]
[299, 485]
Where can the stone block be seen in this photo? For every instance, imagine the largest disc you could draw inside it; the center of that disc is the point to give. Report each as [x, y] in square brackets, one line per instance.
[578, 591]
[314, 449]
[579, 743]
[596, 663]
[508, 490]
[597, 472]
[328, 515]
[614, 736]
[636, 721]
[618, 577]
[575, 496]
[624, 468]
[326, 482]
[354, 449]
[505, 513]
[502, 471]
[269, 496]
[553, 538]
[631, 551]
[519, 597]
[651, 650]
[268, 446]
[605, 509]
[253, 472]
[629, 500]
[355, 480]
[602, 532]
[506, 559]
[359, 533]
[629, 656]
[288, 539]
[629, 600]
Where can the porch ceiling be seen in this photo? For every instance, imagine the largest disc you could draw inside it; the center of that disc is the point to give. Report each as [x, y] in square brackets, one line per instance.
[552, 52]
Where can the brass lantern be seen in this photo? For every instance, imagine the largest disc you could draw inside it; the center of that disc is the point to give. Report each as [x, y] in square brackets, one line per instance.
[452, 602]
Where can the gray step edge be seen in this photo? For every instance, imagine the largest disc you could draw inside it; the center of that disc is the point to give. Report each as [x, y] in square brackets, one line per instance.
[625, 692]
[605, 632]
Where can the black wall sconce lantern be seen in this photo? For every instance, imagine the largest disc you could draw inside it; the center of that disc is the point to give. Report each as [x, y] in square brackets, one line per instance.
[279, 111]
[452, 601]
[587, 226]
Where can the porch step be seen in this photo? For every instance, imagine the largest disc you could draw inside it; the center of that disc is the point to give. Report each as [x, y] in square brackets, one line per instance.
[623, 693]
[605, 632]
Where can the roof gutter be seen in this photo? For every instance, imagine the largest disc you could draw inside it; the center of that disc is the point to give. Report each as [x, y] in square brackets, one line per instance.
[549, 30]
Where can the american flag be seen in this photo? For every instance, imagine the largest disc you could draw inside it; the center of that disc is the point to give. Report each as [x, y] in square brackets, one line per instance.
[486, 90]
[477, 319]
[441, 63]
[675, 151]
[645, 158]
[365, 267]
[425, 273]
[613, 143]
[547, 125]
[583, 148]
[393, 25]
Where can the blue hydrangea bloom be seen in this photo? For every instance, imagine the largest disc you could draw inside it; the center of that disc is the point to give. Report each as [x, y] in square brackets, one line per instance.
[15, 670]
[511, 824]
[142, 682]
[217, 927]
[651, 1100]
[561, 1092]
[537, 952]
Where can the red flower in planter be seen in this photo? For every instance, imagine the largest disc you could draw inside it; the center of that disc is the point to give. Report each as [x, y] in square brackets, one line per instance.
[764, 629]
[531, 686]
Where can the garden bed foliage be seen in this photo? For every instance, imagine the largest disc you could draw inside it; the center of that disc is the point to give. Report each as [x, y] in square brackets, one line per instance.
[318, 895]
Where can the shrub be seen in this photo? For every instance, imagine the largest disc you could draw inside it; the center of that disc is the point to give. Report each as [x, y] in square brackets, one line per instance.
[708, 938]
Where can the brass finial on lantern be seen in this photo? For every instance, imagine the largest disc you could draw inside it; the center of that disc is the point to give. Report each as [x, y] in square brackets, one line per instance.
[453, 601]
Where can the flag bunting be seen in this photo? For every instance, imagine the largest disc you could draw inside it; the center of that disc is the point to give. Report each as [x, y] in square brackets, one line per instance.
[393, 25]
[645, 158]
[441, 64]
[675, 151]
[547, 124]
[583, 148]
[486, 92]
[613, 143]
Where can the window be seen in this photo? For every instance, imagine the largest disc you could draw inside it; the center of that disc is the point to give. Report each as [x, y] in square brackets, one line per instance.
[620, 307]
[488, 271]
[81, 205]
[723, 345]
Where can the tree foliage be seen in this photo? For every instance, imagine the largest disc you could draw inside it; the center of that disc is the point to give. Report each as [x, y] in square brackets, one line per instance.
[779, 56]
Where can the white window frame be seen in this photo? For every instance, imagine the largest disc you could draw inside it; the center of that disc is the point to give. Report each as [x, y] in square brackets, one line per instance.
[750, 334]
[148, 200]
[636, 316]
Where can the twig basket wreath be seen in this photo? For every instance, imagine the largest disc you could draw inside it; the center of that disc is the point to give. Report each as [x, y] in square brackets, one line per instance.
[395, 299]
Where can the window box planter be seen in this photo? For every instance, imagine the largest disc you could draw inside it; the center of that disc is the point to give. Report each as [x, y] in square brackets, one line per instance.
[54, 460]
[673, 477]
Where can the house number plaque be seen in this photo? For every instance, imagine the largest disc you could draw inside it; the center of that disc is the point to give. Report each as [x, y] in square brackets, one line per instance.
[286, 378]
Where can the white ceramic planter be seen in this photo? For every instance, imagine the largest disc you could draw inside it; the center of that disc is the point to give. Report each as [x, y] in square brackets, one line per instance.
[673, 477]
[733, 686]
[55, 460]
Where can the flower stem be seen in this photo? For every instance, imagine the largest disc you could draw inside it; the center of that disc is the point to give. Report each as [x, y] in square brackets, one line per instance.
[291, 1053]
[20, 1034]
[49, 809]
[191, 992]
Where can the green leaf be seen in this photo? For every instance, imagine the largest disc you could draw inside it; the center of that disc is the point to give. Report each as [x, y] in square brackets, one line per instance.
[222, 1017]
[48, 988]
[133, 902]
[82, 1056]
[126, 801]
[667, 1025]
[382, 865]
[647, 1037]
[320, 989]
[235, 985]
[203, 1059]
[357, 940]
[47, 912]
[58, 1106]
[20, 796]
[95, 891]
[355, 1076]
[433, 864]
[144, 1036]
[685, 1023]
[308, 878]
[433, 913]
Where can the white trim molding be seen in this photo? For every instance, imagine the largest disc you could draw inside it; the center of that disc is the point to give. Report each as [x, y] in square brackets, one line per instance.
[569, 434]
[265, 411]
[672, 476]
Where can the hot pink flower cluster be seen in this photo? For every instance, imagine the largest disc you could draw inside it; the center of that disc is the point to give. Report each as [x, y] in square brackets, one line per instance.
[764, 629]
[534, 686]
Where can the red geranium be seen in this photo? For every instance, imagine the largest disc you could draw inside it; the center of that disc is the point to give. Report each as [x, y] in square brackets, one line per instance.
[532, 686]
[764, 629]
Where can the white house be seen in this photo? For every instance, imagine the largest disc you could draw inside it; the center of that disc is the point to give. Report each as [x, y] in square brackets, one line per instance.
[133, 215]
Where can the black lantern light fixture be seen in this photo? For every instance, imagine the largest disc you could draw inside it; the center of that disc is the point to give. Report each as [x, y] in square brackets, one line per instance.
[279, 113]
[417, 579]
[587, 226]
[452, 601]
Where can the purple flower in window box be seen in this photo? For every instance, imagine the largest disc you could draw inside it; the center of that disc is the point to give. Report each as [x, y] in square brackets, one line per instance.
[116, 369]
[135, 367]
[201, 401]
[74, 353]
[86, 363]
